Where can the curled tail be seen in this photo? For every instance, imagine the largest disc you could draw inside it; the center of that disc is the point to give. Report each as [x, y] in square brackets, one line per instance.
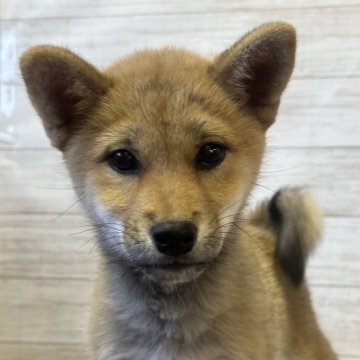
[296, 220]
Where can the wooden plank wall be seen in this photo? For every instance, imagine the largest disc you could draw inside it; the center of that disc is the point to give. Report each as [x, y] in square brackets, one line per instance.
[46, 269]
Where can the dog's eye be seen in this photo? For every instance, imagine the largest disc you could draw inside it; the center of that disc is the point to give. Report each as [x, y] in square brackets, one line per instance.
[123, 161]
[210, 155]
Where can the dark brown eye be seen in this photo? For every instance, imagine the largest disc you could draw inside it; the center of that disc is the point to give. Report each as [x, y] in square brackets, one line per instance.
[210, 155]
[123, 161]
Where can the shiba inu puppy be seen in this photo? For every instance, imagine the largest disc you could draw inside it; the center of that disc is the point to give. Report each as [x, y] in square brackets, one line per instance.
[164, 148]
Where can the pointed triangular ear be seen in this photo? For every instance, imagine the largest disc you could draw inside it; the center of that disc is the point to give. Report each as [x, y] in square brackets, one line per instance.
[62, 87]
[256, 69]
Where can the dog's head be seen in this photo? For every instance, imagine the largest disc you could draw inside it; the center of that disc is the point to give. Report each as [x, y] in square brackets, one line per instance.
[163, 146]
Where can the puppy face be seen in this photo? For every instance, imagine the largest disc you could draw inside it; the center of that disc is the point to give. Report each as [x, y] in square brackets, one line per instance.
[164, 146]
[189, 155]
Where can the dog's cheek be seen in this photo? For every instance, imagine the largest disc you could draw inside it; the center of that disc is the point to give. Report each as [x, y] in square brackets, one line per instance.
[228, 212]
[230, 187]
[111, 228]
[107, 201]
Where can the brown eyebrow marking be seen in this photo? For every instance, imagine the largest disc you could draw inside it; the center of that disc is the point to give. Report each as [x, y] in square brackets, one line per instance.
[211, 130]
[124, 137]
[128, 133]
[205, 103]
[127, 142]
[198, 128]
[156, 85]
[196, 98]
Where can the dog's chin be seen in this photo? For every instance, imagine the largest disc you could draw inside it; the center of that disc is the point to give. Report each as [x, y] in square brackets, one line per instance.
[172, 275]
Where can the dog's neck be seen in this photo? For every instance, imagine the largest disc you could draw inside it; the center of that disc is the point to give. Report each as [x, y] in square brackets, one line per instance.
[179, 312]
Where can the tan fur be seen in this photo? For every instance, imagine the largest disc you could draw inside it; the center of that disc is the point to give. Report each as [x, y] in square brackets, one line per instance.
[239, 293]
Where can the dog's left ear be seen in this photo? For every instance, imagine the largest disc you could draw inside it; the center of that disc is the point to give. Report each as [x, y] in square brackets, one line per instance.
[63, 88]
[255, 70]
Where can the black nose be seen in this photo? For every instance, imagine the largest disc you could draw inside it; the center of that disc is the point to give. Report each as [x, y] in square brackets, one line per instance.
[174, 237]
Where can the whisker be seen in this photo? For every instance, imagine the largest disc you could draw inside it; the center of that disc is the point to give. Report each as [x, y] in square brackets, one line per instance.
[61, 188]
[234, 203]
[86, 242]
[232, 215]
[83, 231]
[92, 249]
[69, 208]
[281, 170]
[263, 186]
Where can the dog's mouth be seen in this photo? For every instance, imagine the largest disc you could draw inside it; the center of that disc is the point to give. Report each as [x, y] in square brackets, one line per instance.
[173, 273]
[174, 266]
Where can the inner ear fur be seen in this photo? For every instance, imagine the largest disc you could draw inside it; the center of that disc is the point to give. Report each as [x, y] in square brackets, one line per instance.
[62, 87]
[256, 69]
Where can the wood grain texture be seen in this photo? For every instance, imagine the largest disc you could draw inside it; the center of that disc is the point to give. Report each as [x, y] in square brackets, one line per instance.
[336, 38]
[41, 310]
[34, 181]
[41, 247]
[92, 8]
[332, 175]
[41, 351]
[334, 261]
[340, 326]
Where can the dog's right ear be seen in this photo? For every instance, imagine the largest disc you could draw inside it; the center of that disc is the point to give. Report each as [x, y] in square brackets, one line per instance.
[255, 70]
[62, 87]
